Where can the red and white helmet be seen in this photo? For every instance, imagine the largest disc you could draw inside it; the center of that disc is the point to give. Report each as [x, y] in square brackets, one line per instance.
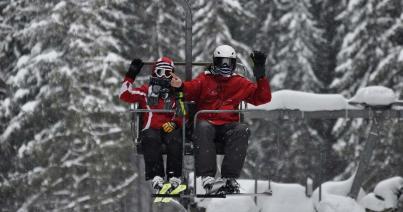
[163, 67]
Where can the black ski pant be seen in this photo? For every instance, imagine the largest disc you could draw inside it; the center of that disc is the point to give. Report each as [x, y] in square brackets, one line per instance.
[152, 140]
[235, 138]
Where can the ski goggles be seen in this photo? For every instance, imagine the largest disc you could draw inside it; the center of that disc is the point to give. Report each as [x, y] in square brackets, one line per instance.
[225, 62]
[163, 72]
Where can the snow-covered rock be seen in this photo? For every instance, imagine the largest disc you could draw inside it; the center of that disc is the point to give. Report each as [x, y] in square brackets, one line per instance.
[374, 95]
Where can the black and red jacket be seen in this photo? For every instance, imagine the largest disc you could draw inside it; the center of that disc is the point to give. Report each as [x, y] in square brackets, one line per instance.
[215, 92]
[150, 120]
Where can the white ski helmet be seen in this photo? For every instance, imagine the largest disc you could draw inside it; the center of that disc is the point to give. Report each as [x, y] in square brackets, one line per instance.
[225, 51]
[224, 60]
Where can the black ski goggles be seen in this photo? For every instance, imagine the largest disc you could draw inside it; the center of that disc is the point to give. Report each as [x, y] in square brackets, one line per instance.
[163, 72]
[222, 62]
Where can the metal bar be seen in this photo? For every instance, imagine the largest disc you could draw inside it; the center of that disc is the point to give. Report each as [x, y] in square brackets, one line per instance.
[183, 144]
[366, 154]
[134, 123]
[188, 40]
[256, 173]
[321, 161]
[323, 114]
[224, 111]
[152, 111]
[148, 63]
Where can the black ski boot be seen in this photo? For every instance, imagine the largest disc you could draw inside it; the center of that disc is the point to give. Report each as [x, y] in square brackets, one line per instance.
[232, 186]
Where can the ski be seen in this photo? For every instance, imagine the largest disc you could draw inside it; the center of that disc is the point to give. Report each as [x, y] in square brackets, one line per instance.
[163, 190]
[176, 191]
[179, 195]
[266, 193]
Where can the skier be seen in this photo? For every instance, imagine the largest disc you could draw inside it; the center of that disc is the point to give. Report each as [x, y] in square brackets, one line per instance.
[219, 88]
[158, 128]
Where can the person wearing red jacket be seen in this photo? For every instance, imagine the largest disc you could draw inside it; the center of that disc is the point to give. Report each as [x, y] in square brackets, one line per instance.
[158, 128]
[219, 88]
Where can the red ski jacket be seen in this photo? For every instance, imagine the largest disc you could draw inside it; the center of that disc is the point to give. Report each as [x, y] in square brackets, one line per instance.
[150, 120]
[212, 92]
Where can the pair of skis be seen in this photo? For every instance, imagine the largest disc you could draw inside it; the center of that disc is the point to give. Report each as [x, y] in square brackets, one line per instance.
[166, 196]
[166, 193]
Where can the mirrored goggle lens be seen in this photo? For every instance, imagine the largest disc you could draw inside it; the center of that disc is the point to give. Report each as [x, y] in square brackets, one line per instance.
[224, 61]
[162, 72]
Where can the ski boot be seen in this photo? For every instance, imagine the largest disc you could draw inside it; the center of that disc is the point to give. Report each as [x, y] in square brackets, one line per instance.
[160, 187]
[213, 186]
[157, 184]
[175, 182]
[176, 187]
[232, 186]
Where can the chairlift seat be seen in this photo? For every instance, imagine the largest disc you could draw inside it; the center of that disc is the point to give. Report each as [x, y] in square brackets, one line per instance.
[136, 127]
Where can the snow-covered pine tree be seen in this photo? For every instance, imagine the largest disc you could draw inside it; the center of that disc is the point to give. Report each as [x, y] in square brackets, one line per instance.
[64, 146]
[370, 51]
[294, 32]
[371, 55]
[214, 24]
[325, 13]
[164, 24]
[295, 55]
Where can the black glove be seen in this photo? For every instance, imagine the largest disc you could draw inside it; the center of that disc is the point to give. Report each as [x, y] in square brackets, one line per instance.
[134, 68]
[259, 60]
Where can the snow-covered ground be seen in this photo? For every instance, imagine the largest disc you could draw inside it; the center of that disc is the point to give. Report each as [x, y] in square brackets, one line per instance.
[292, 198]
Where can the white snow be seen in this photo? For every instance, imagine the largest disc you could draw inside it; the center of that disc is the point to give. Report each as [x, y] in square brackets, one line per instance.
[297, 100]
[335, 199]
[303, 101]
[111, 81]
[292, 198]
[334, 203]
[20, 93]
[48, 56]
[374, 95]
[112, 57]
[59, 5]
[36, 49]
[286, 197]
[29, 106]
[22, 60]
[385, 195]
[401, 56]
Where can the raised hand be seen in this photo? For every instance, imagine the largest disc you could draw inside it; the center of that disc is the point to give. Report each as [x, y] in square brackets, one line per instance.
[259, 61]
[134, 68]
